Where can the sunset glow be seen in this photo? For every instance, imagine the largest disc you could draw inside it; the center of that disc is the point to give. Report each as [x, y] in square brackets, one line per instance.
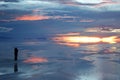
[31, 18]
[75, 41]
[112, 39]
[78, 39]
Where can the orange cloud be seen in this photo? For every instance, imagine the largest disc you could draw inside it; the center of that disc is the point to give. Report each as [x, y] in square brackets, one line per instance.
[76, 40]
[35, 60]
[32, 17]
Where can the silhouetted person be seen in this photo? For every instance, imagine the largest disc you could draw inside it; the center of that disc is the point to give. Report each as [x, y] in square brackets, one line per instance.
[15, 54]
[15, 67]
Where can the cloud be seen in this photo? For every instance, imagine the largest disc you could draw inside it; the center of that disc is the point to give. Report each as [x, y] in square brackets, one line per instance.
[63, 17]
[82, 14]
[103, 30]
[35, 17]
[89, 1]
[31, 17]
[28, 5]
[76, 40]
[4, 29]
[94, 5]
[10, 0]
[33, 43]
[87, 20]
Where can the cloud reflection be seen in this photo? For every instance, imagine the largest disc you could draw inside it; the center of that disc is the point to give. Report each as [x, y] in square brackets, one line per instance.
[35, 60]
[5, 29]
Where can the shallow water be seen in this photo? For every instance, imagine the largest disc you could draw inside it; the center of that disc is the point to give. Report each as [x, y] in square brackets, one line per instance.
[45, 59]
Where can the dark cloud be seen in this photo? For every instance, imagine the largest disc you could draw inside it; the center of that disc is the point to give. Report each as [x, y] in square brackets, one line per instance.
[4, 6]
[10, 0]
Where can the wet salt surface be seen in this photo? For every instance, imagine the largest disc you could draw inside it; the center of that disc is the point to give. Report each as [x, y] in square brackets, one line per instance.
[46, 60]
[92, 67]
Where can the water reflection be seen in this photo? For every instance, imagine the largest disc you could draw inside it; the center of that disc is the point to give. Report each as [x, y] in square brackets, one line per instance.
[102, 51]
[15, 67]
[35, 60]
[89, 49]
[104, 68]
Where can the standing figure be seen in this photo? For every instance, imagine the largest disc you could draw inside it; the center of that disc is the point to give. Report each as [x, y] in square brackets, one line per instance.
[15, 54]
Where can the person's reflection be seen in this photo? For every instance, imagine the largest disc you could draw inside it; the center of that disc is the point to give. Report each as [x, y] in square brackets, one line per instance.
[15, 67]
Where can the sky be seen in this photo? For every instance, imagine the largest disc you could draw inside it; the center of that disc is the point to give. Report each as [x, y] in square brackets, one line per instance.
[30, 18]
[31, 22]
[42, 19]
[61, 14]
